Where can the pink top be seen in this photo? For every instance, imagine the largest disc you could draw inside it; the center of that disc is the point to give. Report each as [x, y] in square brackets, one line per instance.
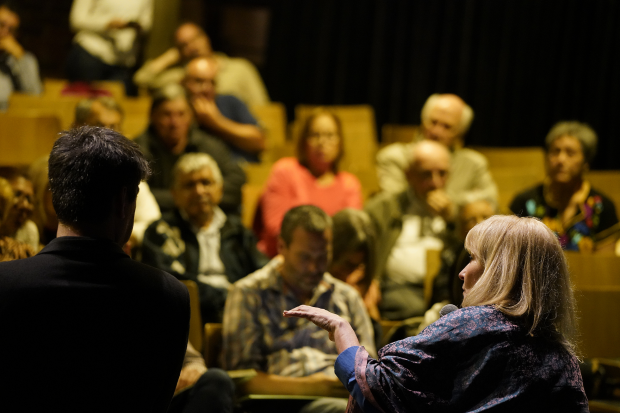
[291, 184]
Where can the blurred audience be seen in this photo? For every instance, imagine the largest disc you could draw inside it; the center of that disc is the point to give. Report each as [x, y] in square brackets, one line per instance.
[311, 178]
[224, 116]
[10, 249]
[445, 119]
[44, 214]
[292, 357]
[171, 133]
[105, 112]
[235, 76]
[407, 225]
[201, 390]
[108, 39]
[19, 69]
[197, 241]
[18, 223]
[353, 257]
[582, 217]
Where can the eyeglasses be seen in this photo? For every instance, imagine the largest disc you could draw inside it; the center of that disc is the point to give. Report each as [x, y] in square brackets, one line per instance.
[328, 137]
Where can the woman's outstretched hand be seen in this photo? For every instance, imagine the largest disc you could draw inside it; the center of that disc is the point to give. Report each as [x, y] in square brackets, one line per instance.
[340, 331]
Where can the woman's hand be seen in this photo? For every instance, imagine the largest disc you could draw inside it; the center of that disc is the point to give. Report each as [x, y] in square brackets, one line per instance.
[340, 331]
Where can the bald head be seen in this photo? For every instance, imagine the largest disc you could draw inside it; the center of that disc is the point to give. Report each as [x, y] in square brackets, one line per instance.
[199, 78]
[429, 167]
[192, 42]
[446, 118]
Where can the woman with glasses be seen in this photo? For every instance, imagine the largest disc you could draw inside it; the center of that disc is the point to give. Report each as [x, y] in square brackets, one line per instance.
[310, 178]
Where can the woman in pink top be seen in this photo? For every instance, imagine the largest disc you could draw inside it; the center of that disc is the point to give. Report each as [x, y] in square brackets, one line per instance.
[311, 178]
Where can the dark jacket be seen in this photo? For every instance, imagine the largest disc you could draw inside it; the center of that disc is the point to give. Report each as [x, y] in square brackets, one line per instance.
[86, 328]
[238, 253]
[162, 162]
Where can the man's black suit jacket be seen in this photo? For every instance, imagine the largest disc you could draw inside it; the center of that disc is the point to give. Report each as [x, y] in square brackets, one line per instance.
[83, 327]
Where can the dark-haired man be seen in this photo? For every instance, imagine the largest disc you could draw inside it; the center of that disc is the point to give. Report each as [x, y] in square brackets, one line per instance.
[171, 134]
[19, 70]
[292, 357]
[85, 328]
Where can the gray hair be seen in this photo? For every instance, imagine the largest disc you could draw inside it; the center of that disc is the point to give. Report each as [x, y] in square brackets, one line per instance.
[309, 217]
[467, 115]
[167, 93]
[197, 161]
[84, 107]
[580, 131]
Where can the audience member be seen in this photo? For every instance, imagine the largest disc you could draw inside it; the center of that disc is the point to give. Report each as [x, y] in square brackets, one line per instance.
[18, 224]
[171, 134]
[44, 215]
[292, 357]
[197, 241]
[19, 70]
[114, 331]
[201, 390]
[235, 76]
[107, 113]
[10, 249]
[224, 116]
[445, 119]
[582, 218]
[108, 39]
[311, 178]
[407, 224]
[353, 261]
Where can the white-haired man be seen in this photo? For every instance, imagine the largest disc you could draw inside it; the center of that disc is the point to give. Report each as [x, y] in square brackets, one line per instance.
[446, 118]
[197, 241]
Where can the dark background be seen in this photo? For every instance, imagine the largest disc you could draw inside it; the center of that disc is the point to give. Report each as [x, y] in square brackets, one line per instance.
[521, 64]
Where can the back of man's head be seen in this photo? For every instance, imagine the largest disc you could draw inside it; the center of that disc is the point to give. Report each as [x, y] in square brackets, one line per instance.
[309, 217]
[88, 167]
[97, 112]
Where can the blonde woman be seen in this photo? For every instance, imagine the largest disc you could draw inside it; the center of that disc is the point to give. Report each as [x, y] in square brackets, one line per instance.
[510, 348]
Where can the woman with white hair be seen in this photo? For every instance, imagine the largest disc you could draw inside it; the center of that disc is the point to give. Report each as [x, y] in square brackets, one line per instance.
[510, 348]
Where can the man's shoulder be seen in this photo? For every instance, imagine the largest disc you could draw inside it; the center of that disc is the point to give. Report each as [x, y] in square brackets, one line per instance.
[262, 278]
[383, 200]
[471, 156]
[395, 152]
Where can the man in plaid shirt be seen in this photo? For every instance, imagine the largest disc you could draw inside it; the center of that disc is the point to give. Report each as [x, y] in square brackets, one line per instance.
[292, 356]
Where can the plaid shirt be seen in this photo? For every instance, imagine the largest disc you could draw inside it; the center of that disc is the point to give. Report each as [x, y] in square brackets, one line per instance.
[257, 336]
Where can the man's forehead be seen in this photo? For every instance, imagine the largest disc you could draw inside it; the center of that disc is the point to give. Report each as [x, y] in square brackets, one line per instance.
[446, 112]
[187, 33]
[9, 17]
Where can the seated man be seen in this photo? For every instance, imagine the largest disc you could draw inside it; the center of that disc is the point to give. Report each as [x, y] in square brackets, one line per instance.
[236, 76]
[445, 119]
[407, 225]
[223, 116]
[291, 357]
[10, 249]
[82, 323]
[19, 70]
[197, 241]
[171, 134]
[201, 390]
[107, 113]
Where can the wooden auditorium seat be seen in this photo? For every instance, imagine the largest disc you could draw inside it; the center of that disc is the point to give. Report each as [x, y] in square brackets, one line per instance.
[137, 115]
[62, 107]
[514, 170]
[393, 133]
[596, 280]
[272, 118]
[195, 321]
[26, 136]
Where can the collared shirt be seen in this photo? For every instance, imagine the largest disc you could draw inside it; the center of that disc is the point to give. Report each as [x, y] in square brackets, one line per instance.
[256, 335]
[210, 266]
[25, 71]
[421, 231]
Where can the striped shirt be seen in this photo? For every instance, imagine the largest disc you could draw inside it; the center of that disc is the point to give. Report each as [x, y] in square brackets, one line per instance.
[257, 336]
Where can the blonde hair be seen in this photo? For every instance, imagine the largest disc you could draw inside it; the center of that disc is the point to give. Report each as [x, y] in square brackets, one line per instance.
[525, 276]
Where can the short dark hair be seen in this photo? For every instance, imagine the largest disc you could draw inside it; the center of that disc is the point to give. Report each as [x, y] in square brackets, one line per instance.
[311, 218]
[88, 166]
